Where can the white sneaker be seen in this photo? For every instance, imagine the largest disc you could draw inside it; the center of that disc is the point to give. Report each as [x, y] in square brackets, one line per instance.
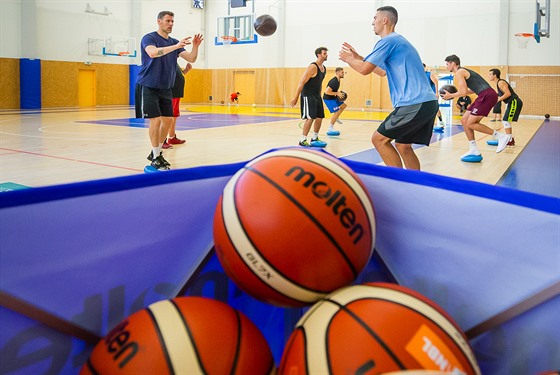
[471, 152]
[338, 121]
[441, 124]
[503, 140]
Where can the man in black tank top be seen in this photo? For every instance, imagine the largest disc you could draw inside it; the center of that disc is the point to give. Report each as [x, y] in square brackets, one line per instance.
[508, 96]
[311, 105]
[469, 82]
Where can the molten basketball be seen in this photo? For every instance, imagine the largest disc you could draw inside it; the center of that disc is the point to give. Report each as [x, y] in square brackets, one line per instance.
[376, 328]
[343, 96]
[449, 88]
[185, 335]
[294, 225]
[265, 25]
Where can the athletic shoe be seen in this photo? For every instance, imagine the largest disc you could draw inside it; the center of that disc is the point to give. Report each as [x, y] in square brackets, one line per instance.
[441, 124]
[503, 140]
[151, 158]
[338, 121]
[159, 164]
[471, 153]
[333, 132]
[438, 128]
[166, 145]
[317, 143]
[175, 141]
[164, 161]
[304, 143]
[512, 142]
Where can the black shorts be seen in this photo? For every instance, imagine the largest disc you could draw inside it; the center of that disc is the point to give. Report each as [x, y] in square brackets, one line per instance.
[411, 123]
[312, 107]
[150, 103]
[513, 110]
[497, 108]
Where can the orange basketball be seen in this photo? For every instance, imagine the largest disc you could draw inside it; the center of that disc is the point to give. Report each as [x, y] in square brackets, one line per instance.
[294, 225]
[376, 328]
[185, 335]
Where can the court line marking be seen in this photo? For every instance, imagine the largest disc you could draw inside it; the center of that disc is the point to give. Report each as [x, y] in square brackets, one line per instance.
[70, 159]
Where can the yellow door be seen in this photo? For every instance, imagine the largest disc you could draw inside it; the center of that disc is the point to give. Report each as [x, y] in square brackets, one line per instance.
[86, 88]
[244, 82]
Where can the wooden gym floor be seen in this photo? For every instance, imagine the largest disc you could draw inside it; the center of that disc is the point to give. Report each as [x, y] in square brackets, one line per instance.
[57, 146]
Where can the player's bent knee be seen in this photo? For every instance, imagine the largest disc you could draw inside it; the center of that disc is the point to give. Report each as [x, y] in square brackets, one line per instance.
[403, 148]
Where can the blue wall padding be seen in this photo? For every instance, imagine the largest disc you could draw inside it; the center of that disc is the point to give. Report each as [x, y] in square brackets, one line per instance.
[133, 74]
[30, 83]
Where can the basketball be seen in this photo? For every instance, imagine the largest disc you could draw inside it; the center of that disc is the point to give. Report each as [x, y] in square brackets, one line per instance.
[265, 25]
[547, 116]
[294, 225]
[184, 335]
[343, 96]
[449, 88]
[376, 328]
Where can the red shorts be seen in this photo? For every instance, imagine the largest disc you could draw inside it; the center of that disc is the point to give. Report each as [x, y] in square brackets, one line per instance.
[484, 103]
[176, 102]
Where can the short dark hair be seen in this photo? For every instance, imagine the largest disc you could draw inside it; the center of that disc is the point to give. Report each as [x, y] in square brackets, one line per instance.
[453, 58]
[496, 72]
[164, 13]
[338, 69]
[393, 14]
[320, 50]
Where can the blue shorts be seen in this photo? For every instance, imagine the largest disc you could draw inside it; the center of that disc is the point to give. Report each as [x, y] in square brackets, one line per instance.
[333, 104]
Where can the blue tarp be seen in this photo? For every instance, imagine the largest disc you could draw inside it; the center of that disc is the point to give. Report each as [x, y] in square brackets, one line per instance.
[92, 253]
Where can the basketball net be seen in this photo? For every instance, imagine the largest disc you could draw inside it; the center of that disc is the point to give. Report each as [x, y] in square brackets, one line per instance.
[227, 40]
[523, 39]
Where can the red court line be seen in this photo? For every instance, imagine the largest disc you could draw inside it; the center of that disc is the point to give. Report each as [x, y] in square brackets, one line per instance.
[70, 159]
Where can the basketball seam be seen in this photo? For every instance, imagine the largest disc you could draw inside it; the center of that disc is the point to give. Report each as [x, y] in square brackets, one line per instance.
[376, 337]
[462, 345]
[91, 367]
[442, 329]
[310, 217]
[339, 171]
[238, 343]
[230, 186]
[191, 337]
[268, 286]
[161, 341]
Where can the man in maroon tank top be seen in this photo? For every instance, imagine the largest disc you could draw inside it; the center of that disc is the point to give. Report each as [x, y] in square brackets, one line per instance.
[469, 82]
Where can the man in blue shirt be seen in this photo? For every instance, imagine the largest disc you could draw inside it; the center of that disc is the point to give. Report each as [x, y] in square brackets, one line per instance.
[415, 105]
[156, 78]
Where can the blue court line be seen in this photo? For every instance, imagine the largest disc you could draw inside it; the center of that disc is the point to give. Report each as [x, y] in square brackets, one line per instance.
[537, 168]
[193, 121]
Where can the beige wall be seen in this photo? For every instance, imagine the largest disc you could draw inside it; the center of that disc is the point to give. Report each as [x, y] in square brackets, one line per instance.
[538, 86]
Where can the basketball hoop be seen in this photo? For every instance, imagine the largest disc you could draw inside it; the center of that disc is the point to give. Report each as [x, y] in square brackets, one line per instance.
[227, 40]
[124, 53]
[523, 39]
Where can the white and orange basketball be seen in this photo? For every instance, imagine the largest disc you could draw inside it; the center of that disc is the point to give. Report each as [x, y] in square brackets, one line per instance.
[294, 225]
[376, 328]
[184, 335]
